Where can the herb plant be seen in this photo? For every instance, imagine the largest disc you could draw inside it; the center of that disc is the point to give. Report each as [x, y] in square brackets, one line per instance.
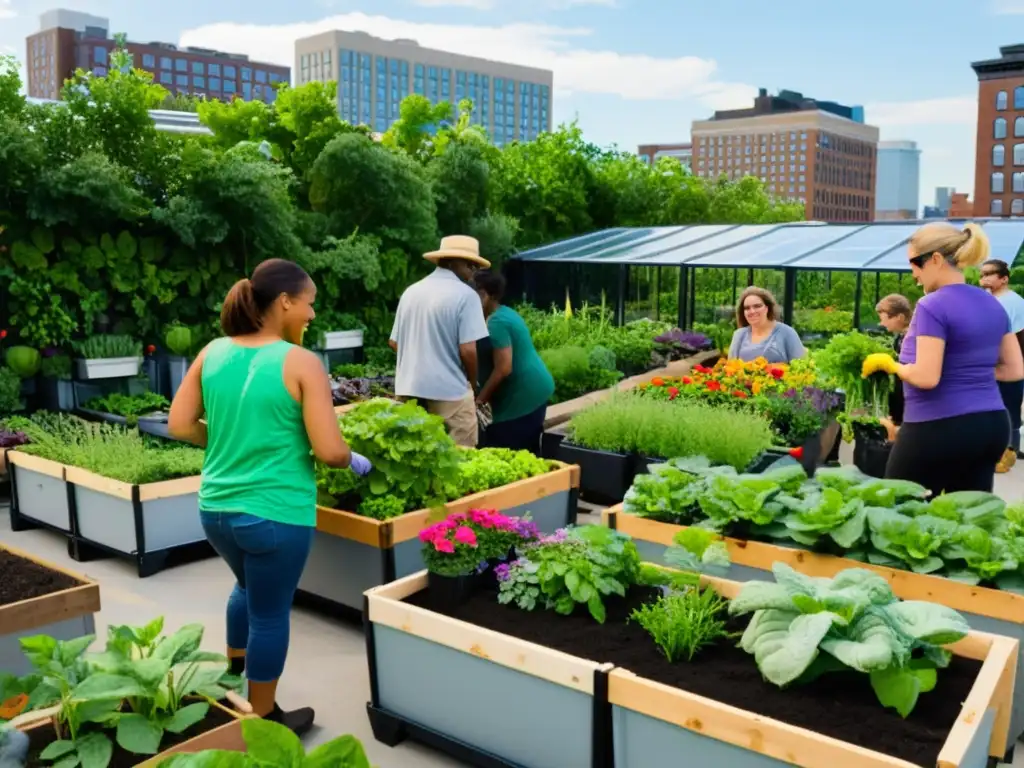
[10, 391]
[271, 744]
[131, 406]
[682, 623]
[803, 627]
[56, 366]
[105, 346]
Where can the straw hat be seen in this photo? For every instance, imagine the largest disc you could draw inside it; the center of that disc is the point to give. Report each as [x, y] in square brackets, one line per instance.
[458, 247]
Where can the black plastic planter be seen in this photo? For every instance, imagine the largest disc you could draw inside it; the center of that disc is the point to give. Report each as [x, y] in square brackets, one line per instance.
[871, 449]
[449, 592]
[604, 477]
[550, 440]
[644, 464]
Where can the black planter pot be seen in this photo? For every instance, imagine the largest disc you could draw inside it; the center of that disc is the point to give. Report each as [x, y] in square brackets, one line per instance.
[871, 449]
[549, 442]
[57, 394]
[604, 477]
[448, 592]
[644, 464]
[766, 460]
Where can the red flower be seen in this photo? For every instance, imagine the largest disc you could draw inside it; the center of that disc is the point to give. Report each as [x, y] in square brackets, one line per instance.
[701, 369]
[3, 334]
[740, 394]
[797, 453]
[687, 380]
[658, 381]
[776, 373]
[673, 393]
[714, 386]
[151, 349]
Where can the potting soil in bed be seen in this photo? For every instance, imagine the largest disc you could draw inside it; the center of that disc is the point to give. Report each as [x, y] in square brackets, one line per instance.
[22, 579]
[840, 705]
[39, 738]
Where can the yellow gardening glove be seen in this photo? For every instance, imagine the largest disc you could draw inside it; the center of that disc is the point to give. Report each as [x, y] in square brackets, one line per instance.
[878, 361]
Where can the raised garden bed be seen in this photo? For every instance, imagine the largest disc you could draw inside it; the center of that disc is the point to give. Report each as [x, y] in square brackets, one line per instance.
[352, 553]
[39, 493]
[451, 684]
[986, 610]
[37, 597]
[717, 710]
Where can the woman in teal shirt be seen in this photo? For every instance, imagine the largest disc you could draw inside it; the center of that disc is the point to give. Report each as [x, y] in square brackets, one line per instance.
[268, 411]
[516, 383]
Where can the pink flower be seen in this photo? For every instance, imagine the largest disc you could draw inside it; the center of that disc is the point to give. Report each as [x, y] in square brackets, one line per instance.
[443, 545]
[466, 535]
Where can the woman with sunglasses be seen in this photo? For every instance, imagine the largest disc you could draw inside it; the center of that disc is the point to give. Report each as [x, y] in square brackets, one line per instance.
[959, 344]
[759, 334]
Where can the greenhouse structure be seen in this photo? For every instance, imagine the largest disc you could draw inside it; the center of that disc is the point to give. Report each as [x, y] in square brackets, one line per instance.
[691, 274]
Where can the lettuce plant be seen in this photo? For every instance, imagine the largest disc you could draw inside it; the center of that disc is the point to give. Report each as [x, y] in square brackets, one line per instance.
[913, 542]
[803, 627]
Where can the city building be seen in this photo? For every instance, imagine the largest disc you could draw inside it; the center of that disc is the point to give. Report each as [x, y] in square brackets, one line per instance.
[817, 152]
[69, 40]
[999, 155]
[961, 207]
[650, 153]
[898, 180]
[944, 198]
[510, 101]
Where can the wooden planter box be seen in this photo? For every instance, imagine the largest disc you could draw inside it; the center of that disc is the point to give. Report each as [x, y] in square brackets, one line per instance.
[651, 720]
[352, 554]
[986, 610]
[439, 681]
[226, 737]
[64, 615]
[101, 516]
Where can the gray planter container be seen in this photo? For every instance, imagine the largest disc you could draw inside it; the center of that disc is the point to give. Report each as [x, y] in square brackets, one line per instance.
[177, 367]
[147, 522]
[342, 340]
[108, 368]
[64, 615]
[986, 610]
[58, 394]
[39, 493]
[438, 681]
[351, 554]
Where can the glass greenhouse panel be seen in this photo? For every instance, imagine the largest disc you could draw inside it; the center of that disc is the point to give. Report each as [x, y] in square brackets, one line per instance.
[859, 250]
[780, 248]
[562, 247]
[1006, 238]
[721, 239]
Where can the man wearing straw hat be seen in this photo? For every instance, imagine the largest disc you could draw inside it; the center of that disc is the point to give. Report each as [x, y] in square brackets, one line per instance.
[437, 325]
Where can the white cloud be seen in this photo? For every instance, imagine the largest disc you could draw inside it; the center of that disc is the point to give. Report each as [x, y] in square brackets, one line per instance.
[1007, 7]
[576, 69]
[481, 5]
[954, 110]
[6, 11]
[487, 5]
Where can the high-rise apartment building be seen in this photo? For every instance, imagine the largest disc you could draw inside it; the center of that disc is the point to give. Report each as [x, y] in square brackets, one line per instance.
[817, 152]
[999, 155]
[510, 101]
[651, 153]
[898, 180]
[69, 40]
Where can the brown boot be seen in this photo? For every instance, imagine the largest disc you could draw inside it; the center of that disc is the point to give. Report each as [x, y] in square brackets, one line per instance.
[1006, 463]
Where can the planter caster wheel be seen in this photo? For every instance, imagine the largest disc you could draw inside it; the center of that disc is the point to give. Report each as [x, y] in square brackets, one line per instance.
[387, 729]
[151, 563]
[82, 552]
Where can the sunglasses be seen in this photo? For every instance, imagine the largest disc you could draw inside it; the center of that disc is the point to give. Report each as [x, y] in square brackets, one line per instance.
[921, 260]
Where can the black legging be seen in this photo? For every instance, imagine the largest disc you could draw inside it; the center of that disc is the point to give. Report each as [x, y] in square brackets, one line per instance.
[955, 454]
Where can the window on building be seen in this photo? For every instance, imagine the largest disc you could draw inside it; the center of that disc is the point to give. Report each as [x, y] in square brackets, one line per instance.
[198, 68]
[247, 92]
[149, 61]
[165, 62]
[998, 154]
[1001, 100]
[214, 83]
[229, 86]
[997, 183]
[996, 207]
[230, 72]
[1018, 97]
[99, 55]
[1018, 181]
[1017, 207]
[198, 82]
[999, 128]
[213, 70]
[166, 78]
[1018, 154]
[246, 75]
[181, 80]
[180, 65]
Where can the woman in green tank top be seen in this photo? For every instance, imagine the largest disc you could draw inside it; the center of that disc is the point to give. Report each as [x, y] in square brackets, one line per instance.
[261, 406]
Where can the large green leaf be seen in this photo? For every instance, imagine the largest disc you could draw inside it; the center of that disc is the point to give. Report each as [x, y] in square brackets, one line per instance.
[178, 646]
[869, 644]
[94, 750]
[272, 743]
[928, 622]
[343, 752]
[57, 749]
[899, 688]
[761, 595]
[138, 734]
[187, 716]
[785, 643]
[42, 238]
[108, 686]
[27, 257]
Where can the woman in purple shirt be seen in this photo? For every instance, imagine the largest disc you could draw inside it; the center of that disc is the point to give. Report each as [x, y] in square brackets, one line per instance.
[955, 426]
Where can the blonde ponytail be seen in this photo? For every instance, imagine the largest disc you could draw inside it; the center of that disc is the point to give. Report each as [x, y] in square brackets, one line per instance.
[975, 248]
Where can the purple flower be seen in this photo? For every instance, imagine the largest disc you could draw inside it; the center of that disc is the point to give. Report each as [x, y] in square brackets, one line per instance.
[525, 529]
[502, 571]
[684, 340]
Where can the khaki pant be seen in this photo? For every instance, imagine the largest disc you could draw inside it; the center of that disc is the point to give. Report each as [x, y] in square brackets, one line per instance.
[459, 416]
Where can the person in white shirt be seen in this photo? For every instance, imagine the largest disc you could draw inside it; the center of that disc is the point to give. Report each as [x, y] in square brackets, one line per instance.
[995, 278]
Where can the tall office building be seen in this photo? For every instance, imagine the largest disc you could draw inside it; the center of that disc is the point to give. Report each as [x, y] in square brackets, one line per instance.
[651, 153]
[69, 40]
[817, 152]
[944, 198]
[374, 75]
[999, 154]
[898, 180]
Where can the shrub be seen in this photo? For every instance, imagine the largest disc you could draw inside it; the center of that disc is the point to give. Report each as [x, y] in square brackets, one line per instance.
[573, 373]
[628, 422]
[10, 391]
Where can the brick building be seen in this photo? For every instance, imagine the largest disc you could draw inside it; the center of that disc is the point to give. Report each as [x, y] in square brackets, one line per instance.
[69, 40]
[817, 152]
[999, 154]
[651, 153]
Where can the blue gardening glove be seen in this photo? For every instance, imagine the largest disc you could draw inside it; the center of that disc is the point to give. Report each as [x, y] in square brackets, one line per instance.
[360, 464]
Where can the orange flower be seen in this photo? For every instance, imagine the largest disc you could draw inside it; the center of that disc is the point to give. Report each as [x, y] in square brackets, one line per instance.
[673, 393]
[687, 380]
[739, 394]
[658, 381]
[13, 706]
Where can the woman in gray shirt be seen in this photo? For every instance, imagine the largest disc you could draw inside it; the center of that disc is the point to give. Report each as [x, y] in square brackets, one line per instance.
[759, 334]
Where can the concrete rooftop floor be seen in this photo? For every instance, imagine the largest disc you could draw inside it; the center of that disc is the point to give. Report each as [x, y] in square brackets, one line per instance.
[327, 659]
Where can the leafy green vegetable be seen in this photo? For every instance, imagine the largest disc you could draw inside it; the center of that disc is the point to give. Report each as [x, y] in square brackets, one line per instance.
[804, 626]
[913, 541]
[697, 549]
[684, 622]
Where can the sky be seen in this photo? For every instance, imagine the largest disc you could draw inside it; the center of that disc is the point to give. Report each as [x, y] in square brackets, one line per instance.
[639, 71]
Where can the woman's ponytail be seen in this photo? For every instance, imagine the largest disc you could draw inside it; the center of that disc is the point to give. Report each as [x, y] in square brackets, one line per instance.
[240, 316]
[975, 248]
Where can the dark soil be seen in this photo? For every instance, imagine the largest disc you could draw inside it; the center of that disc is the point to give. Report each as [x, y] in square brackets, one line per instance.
[842, 706]
[22, 579]
[41, 737]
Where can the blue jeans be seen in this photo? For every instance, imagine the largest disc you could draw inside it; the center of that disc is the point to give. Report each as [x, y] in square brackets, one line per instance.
[267, 559]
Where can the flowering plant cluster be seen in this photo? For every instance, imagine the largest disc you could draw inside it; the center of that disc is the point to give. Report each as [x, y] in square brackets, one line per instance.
[735, 379]
[468, 542]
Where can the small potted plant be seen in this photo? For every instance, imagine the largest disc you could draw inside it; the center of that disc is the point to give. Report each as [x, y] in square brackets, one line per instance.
[346, 331]
[180, 342]
[108, 356]
[58, 391]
